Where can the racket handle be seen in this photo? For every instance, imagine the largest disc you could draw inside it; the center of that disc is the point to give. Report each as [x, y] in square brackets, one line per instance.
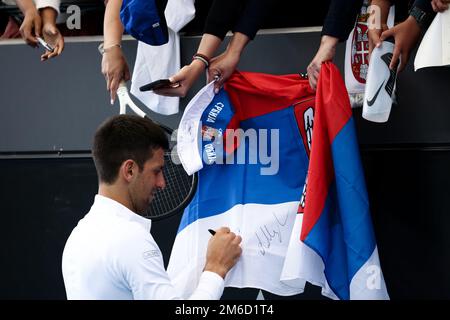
[122, 94]
[125, 99]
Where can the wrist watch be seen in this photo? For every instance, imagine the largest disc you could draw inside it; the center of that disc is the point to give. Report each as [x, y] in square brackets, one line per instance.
[422, 18]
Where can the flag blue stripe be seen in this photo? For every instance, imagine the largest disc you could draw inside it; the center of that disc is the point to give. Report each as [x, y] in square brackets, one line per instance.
[343, 235]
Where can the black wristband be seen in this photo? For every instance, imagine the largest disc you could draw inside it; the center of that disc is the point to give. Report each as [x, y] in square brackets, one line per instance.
[422, 18]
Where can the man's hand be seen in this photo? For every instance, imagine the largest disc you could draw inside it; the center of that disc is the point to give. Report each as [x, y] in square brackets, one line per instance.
[326, 52]
[31, 26]
[221, 68]
[406, 35]
[115, 69]
[183, 80]
[223, 251]
[440, 5]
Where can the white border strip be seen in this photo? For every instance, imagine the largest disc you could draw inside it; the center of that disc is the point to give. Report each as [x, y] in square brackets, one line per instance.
[290, 30]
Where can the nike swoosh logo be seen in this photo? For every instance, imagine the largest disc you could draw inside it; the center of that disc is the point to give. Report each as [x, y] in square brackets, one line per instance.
[371, 102]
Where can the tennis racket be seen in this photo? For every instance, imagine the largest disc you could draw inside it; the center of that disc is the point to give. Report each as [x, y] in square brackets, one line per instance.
[180, 187]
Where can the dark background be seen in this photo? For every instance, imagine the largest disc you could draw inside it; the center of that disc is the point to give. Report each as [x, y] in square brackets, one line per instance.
[49, 111]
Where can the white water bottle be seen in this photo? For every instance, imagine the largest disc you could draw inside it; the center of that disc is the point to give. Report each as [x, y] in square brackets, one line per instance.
[380, 83]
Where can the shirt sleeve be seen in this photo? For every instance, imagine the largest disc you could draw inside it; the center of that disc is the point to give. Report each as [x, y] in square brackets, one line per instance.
[341, 18]
[141, 268]
[10, 2]
[40, 4]
[210, 287]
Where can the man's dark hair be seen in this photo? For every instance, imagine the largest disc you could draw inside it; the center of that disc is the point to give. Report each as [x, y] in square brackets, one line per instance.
[125, 137]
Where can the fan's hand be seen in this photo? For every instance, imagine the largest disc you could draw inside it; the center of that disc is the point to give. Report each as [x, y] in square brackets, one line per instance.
[54, 38]
[326, 52]
[115, 69]
[51, 33]
[183, 80]
[31, 26]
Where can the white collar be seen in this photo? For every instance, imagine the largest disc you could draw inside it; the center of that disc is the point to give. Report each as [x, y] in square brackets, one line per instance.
[109, 206]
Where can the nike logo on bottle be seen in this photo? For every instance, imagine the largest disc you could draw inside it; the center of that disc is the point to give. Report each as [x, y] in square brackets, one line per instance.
[371, 102]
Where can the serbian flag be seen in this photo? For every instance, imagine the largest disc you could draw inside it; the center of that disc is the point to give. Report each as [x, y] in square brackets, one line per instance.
[333, 243]
[253, 187]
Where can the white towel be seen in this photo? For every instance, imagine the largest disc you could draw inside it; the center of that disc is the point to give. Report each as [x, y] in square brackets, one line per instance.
[160, 62]
[434, 50]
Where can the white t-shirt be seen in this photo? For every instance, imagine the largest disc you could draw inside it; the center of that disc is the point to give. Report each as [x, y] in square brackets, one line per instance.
[111, 255]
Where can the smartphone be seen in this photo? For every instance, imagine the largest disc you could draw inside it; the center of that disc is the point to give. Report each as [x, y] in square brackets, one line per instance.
[158, 84]
[45, 44]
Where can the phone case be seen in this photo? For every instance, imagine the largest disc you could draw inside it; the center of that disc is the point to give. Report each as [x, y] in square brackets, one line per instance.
[156, 85]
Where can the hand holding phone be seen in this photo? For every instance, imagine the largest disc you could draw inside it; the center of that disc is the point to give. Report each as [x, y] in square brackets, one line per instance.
[158, 84]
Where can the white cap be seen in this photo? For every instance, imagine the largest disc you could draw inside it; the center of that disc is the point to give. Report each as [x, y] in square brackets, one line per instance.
[188, 144]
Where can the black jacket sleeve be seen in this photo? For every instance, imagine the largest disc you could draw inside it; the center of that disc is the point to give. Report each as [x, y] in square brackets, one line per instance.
[341, 18]
[425, 5]
[253, 16]
[246, 17]
[222, 16]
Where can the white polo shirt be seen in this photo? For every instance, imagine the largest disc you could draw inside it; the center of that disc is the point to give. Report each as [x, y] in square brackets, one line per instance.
[111, 255]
